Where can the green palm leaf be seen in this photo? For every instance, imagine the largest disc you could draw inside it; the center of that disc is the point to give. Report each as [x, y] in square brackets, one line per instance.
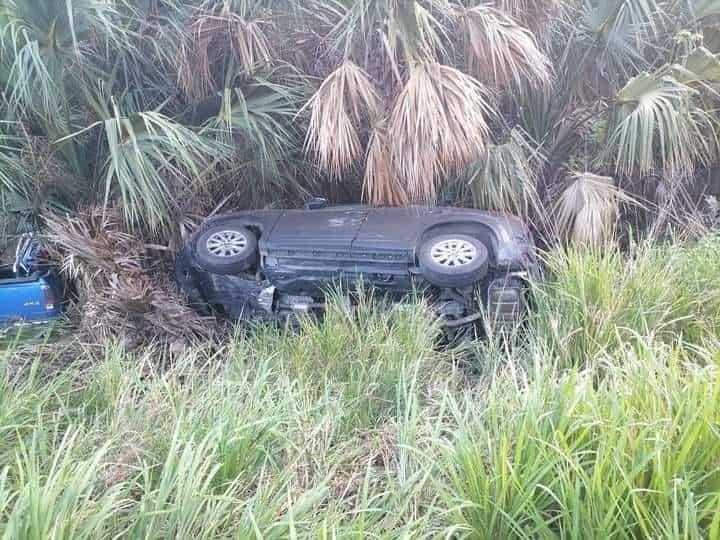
[256, 122]
[13, 177]
[150, 157]
[46, 41]
[655, 126]
[699, 66]
[506, 178]
[704, 8]
[405, 29]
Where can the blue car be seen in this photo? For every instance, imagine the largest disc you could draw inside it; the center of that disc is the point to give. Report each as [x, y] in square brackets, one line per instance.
[30, 292]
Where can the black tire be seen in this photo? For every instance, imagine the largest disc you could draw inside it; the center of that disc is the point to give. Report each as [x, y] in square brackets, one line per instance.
[226, 248]
[471, 268]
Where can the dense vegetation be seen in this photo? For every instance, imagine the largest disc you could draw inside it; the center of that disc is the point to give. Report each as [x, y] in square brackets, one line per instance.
[169, 108]
[603, 421]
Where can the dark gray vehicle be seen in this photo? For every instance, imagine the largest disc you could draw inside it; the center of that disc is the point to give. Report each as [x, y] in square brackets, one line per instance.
[273, 264]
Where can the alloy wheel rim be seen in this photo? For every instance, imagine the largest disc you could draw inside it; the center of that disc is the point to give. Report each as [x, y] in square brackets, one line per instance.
[226, 243]
[453, 253]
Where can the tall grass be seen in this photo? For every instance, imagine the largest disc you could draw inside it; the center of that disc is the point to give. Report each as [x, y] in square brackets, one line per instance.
[600, 299]
[602, 421]
[633, 455]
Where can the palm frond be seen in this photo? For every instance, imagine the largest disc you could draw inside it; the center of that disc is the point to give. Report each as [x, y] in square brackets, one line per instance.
[644, 16]
[256, 120]
[32, 85]
[614, 41]
[48, 40]
[408, 29]
[501, 52]
[701, 9]
[417, 29]
[344, 100]
[148, 156]
[260, 114]
[439, 124]
[700, 66]
[588, 207]
[645, 13]
[61, 28]
[654, 126]
[533, 14]
[13, 176]
[214, 38]
[506, 179]
[381, 185]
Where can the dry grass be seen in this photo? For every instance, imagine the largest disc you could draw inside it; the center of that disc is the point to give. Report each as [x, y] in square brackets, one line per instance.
[502, 53]
[345, 99]
[439, 124]
[122, 292]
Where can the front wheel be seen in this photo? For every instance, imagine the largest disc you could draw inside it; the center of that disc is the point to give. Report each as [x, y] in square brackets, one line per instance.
[453, 260]
[226, 248]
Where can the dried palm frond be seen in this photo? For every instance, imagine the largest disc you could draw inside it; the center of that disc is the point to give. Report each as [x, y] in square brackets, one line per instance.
[588, 207]
[380, 184]
[214, 37]
[341, 104]
[438, 125]
[502, 53]
[534, 14]
[121, 291]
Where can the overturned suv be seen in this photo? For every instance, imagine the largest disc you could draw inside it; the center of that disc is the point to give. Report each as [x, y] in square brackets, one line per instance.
[274, 264]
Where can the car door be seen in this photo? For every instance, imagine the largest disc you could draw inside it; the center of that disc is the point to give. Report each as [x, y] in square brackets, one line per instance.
[324, 229]
[391, 229]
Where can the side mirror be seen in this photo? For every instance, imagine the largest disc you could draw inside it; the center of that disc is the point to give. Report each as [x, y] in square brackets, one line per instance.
[315, 203]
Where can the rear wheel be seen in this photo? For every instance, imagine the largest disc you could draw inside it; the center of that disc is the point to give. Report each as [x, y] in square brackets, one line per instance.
[453, 260]
[226, 248]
